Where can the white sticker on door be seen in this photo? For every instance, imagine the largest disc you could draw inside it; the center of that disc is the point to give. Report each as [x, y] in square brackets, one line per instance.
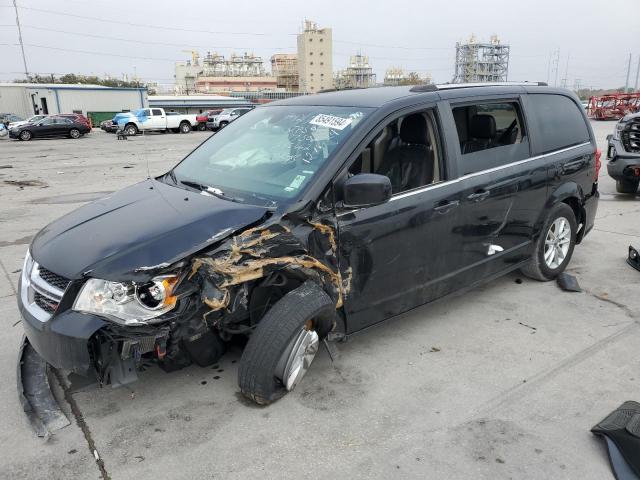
[330, 121]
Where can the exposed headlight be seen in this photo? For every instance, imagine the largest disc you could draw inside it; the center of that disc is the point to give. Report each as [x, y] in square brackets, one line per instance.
[127, 303]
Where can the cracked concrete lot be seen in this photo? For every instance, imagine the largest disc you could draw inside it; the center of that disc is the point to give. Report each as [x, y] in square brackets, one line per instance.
[502, 382]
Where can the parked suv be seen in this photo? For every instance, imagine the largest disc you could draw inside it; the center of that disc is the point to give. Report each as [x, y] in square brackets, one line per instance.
[313, 218]
[226, 116]
[623, 153]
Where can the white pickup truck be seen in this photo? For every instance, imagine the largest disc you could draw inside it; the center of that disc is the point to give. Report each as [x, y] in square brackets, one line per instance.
[147, 119]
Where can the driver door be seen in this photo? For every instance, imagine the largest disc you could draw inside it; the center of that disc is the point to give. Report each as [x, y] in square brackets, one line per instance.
[399, 253]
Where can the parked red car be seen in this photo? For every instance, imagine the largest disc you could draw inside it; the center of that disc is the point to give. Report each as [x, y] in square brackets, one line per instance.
[203, 118]
[77, 117]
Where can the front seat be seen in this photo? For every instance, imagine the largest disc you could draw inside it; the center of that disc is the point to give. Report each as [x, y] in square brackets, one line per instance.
[410, 164]
[482, 132]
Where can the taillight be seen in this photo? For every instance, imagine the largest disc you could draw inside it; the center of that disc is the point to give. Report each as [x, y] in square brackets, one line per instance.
[598, 164]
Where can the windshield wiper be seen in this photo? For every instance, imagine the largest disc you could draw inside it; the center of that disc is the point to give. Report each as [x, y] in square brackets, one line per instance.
[209, 190]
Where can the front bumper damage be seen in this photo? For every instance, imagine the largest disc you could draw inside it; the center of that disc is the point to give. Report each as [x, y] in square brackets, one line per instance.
[34, 391]
[221, 293]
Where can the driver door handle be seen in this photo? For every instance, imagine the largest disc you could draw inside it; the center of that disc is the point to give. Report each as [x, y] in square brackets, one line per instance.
[479, 196]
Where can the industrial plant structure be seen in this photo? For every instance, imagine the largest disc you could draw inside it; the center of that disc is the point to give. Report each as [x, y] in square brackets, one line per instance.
[358, 74]
[217, 74]
[481, 62]
[284, 66]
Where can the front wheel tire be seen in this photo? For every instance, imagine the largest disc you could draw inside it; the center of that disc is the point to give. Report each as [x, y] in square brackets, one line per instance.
[26, 135]
[284, 344]
[554, 246]
[627, 186]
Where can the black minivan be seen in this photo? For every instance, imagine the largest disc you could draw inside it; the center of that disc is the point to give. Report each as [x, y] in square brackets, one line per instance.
[310, 219]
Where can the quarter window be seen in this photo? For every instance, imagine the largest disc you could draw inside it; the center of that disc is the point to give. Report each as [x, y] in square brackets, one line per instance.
[557, 121]
[490, 134]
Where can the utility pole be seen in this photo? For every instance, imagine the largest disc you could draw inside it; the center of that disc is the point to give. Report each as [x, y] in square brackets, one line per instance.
[566, 72]
[637, 74]
[24, 59]
[556, 62]
[626, 83]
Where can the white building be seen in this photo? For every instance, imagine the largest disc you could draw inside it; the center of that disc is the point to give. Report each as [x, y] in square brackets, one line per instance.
[94, 101]
[315, 58]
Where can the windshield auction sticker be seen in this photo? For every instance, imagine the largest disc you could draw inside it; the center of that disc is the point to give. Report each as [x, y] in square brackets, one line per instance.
[330, 121]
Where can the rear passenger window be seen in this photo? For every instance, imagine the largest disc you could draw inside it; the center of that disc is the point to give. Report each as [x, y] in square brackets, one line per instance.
[558, 122]
[156, 112]
[490, 135]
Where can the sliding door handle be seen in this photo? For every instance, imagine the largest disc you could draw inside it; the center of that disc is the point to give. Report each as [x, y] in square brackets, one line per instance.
[445, 206]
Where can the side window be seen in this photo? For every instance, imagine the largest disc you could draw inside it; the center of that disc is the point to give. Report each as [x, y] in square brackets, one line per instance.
[558, 122]
[157, 112]
[407, 150]
[490, 134]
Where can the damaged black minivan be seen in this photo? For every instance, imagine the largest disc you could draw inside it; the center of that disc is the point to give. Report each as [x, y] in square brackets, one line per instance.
[310, 219]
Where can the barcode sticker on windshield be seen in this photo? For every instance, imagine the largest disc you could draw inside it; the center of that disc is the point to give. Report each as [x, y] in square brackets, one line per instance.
[330, 121]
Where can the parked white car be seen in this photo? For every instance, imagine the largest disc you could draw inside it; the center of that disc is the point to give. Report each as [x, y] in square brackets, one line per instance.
[149, 119]
[32, 119]
[226, 116]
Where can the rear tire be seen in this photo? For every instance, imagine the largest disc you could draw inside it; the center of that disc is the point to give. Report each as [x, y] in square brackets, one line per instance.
[223, 124]
[74, 133]
[306, 311]
[552, 240]
[202, 127]
[185, 127]
[627, 186]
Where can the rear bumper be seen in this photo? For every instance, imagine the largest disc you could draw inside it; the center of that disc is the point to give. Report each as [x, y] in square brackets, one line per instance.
[622, 165]
[590, 209]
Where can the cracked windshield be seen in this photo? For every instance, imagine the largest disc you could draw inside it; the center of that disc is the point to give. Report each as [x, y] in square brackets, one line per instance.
[269, 154]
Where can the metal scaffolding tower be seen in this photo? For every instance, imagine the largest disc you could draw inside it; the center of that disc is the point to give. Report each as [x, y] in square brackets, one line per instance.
[481, 62]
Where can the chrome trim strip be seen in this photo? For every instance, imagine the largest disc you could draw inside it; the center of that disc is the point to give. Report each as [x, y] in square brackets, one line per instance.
[43, 286]
[489, 170]
[25, 296]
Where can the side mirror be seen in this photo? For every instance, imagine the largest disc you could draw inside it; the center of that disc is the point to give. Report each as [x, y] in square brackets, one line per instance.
[366, 190]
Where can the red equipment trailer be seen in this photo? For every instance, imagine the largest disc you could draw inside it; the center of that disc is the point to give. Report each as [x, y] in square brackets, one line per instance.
[613, 106]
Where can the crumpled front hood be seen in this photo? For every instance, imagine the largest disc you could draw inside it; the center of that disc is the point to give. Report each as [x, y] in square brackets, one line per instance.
[131, 233]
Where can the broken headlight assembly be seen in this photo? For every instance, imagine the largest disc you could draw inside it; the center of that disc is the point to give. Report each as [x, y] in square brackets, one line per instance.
[127, 303]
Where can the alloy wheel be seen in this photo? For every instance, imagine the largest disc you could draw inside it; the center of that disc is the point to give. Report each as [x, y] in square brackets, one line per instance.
[305, 348]
[557, 242]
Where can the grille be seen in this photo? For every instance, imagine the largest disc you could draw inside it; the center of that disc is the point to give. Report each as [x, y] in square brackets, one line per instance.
[631, 136]
[45, 303]
[54, 279]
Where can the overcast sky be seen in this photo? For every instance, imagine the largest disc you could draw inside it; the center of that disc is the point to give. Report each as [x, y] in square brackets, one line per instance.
[416, 35]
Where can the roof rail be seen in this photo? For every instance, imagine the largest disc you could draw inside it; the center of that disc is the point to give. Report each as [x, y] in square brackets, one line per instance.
[449, 86]
[490, 84]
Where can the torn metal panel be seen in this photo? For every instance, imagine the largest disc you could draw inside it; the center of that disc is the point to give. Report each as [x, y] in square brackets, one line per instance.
[295, 245]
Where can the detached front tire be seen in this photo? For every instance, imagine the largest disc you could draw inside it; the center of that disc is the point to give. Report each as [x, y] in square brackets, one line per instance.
[554, 246]
[284, 343]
